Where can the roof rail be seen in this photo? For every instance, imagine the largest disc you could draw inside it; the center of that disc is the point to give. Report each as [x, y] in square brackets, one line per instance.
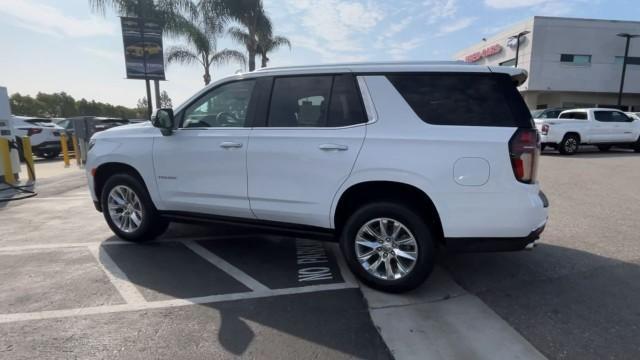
[374, 63]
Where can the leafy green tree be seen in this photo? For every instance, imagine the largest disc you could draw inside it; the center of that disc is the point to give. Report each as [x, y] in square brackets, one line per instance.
[141, 107]
[165, 100]
[201, 37]
[25, 105]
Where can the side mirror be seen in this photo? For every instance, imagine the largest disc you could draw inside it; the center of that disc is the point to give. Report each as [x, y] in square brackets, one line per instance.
[164, 120]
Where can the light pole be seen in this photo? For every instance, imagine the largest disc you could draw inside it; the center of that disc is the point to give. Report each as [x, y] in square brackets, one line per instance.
[517, 37]
[624, 63]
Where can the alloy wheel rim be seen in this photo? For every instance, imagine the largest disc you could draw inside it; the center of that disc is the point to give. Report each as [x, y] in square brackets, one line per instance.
[386, 249]
[571, 145]
[125, 208]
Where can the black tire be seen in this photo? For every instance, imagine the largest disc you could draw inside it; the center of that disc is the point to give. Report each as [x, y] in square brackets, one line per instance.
[413, 222]
[569, 145]
[604, 148]
[49, 154]
[542, 147]
[636, 146]
[151, 225]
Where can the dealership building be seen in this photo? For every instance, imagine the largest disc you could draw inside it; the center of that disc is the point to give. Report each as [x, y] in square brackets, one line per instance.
[571, 62]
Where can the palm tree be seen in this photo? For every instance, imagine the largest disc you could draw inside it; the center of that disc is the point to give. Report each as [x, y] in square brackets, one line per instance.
[268, 43]
[162, 11]
[251, 17]
[201, 46]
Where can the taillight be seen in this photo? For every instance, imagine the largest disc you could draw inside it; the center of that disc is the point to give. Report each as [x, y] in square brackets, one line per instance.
[33, 131]
[524, 150]
[545, 129]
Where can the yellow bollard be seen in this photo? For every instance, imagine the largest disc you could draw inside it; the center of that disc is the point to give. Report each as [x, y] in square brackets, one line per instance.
[76, 149]
[28, 157]
[65, 149]
[5, 155]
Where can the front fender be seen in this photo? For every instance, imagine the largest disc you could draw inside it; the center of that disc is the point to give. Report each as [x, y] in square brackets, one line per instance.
[136, 154]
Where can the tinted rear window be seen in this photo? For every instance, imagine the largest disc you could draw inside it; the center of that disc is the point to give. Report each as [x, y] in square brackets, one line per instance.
[466, 99]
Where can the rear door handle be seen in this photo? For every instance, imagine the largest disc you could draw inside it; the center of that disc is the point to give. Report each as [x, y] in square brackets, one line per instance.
[334, 147]
[230, 145]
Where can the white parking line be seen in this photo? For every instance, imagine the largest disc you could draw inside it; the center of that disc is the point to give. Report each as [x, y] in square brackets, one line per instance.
[231, 270]
[56, 314]
[30, 248]
[118, 278]
[65, 198]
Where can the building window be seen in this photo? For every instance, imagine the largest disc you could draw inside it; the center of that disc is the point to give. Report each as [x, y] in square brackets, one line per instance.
[510, 62]
[631, 60]
[575, 59]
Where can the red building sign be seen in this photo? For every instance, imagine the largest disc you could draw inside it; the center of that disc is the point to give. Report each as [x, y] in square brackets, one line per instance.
[490, 51]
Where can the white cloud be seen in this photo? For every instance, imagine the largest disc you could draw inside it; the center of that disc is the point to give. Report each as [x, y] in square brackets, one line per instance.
[510, 4]
[398, 51]
[105, 54]
[49, 20]
[543, 7]
[436, 10]
[457, 25]
[334, 25]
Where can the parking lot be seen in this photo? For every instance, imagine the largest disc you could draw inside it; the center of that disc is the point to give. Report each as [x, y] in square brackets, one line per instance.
[70, 289]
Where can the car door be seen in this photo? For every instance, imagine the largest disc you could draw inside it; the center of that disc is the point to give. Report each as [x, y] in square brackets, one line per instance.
[602, 128]
[305, 147]
[201, 167]
[623, 127]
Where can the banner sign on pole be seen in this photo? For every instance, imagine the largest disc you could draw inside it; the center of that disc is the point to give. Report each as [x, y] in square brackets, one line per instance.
[142, 48]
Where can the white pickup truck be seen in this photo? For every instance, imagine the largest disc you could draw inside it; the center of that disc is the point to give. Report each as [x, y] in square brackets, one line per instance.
[601, 127]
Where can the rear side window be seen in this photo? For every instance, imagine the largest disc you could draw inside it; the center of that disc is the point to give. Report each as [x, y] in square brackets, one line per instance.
[610, 116]
[315, 101]
[464, 99]
[576, 115]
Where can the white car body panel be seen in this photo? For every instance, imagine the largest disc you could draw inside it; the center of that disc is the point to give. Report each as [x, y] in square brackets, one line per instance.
[196, 174]
[295, 172]
[479, 199]
[50, 132]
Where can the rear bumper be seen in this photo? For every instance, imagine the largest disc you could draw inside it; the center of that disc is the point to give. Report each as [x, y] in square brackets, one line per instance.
[462, 245]
[48, 145]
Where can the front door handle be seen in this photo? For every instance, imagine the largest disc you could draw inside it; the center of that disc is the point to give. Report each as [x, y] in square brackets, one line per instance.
[230, 145]
[334, 147]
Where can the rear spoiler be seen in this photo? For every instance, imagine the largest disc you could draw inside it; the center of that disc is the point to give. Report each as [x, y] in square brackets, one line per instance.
[519, 76]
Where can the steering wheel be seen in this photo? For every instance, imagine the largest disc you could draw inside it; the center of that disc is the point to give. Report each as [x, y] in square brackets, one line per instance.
[226, 119]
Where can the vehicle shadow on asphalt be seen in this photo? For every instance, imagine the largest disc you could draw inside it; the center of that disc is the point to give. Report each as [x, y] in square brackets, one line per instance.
[166, 269]
[592, 153]
[568, 303]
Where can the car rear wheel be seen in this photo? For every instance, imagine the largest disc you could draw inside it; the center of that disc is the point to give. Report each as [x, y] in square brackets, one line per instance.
[129, 211]
[569, 145]
[636, 146]
[49, 154]
[388, 247]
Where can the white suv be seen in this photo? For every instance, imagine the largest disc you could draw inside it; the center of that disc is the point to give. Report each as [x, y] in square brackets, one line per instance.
[393, 160]
[43, 133]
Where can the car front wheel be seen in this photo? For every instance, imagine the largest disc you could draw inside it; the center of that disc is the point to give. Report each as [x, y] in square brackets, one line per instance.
[388, 246]
[128, 209]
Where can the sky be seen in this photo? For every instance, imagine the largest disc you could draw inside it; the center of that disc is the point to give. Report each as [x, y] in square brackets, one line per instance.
[62, 45]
